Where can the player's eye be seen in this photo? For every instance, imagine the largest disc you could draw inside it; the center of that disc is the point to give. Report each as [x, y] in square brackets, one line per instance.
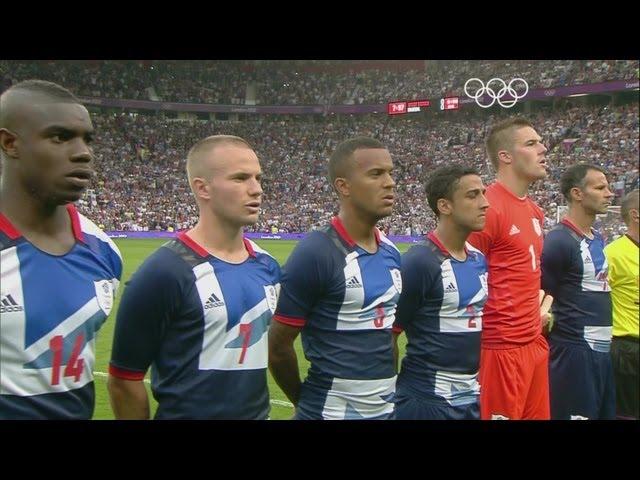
[61, 137]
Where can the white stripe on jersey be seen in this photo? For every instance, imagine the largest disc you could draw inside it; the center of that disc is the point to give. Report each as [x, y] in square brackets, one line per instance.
[471, 248]
[384, 238]
[591, 283]
[214, 355]
[257, 249]
[16, 380]
[87, 226]
[598, 338]
[359, 398]
[457, 388]
[452, 318]
[354, 315]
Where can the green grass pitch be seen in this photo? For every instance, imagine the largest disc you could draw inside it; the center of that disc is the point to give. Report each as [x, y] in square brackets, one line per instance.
[134, 252]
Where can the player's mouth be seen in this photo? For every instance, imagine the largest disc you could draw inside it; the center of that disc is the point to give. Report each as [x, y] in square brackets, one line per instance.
[388, 199]
[80, 176]
[253, 207]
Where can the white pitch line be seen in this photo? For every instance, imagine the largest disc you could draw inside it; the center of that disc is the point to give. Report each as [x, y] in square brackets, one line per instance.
[280, 403]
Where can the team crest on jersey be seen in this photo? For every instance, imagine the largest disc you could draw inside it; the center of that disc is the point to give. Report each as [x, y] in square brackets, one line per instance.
[272, 297]
[104, 295]
[536, 226]
[397, 279]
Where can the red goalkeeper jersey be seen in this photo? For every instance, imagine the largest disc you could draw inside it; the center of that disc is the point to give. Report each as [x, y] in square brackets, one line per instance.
[512, 243]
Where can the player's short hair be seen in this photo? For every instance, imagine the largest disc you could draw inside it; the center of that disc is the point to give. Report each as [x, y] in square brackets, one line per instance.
[575, 176]
[43, 87]
[501, 137]
[205, 145]
[629, 202]
[443, 182]
[49, 90]
[342, 154]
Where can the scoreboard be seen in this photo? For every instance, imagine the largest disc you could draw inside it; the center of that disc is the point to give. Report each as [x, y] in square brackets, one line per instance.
[402, 107]
[407, 106]
[450, 103]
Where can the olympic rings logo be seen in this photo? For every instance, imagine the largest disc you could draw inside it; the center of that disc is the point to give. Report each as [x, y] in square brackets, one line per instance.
[493, 95]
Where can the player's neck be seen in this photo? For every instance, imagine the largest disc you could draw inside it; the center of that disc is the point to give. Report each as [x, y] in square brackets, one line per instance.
[582, 220]
[516, 185]
[220, 239]
[453, 239]
[360, 229]
[31, 216]
[634, 233]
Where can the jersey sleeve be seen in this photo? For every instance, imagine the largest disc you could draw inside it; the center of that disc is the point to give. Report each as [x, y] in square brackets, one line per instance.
[417, 280]
[555, 259]
[487, 237]
[304, 280]
[150, 300]
[117, 272]
[276, 272]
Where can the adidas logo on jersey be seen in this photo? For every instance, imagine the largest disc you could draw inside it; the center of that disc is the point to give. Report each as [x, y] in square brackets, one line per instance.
[353, 283]
[213, 301]
[8, 305]
[450, 288]
[588, 260]
[514, 230]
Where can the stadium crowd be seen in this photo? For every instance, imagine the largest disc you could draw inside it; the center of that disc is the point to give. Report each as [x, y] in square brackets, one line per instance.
[141, 185]
[301, 82]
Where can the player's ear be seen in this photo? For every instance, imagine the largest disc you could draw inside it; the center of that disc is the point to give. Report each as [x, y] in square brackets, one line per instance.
[444, 206]
[505, 156]
[200, 188]
[341, 185]
[8, 143]
[576, 193]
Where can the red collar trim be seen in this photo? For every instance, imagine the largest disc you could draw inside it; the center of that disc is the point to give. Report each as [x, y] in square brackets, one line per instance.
[432, 236]
[339, 227]
[200, 250]
[75, 222]
[192, 244]
[13, 233]
[572, 226]
[8, 229]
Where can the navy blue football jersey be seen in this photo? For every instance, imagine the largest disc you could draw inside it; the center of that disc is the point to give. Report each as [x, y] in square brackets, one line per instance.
[574, 272]
[344, 299]
[440, 310]
[201, 324]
